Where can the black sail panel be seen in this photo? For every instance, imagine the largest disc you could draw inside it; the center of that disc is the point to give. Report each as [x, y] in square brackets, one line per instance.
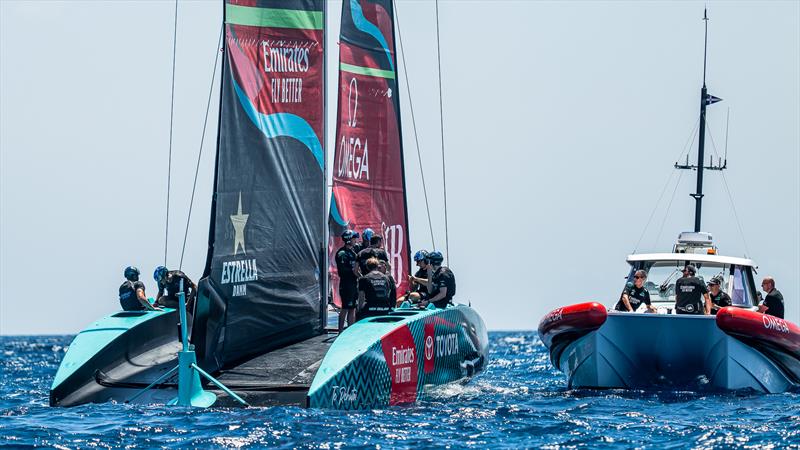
[262, 286]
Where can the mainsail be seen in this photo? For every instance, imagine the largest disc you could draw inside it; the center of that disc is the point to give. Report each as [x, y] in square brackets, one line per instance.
[368, 175]
[262, 283]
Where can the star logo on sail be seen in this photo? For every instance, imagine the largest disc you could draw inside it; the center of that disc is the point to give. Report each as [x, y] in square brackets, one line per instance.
[239, 221]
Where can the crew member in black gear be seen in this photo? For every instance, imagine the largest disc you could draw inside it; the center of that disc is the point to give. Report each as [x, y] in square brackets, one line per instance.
[131, 292]
[169, 286]
[773, 302]
[375, 250]
[376, 291]
[348, 281]
[690, 292]
[442, 286]
[719, 299]
[635, 294]
[419, 281]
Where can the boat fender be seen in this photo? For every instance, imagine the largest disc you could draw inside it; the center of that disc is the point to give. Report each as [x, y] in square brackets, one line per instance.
[748, 324]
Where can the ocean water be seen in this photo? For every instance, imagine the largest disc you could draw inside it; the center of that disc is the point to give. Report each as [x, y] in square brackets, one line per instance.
[519, 401]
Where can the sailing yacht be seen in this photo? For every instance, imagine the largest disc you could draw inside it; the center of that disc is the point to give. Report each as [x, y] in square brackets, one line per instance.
[259, 323]
[738, 348]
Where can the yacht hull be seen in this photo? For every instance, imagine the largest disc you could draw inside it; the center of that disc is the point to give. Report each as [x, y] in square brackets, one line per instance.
[395, 359]
[652, 351]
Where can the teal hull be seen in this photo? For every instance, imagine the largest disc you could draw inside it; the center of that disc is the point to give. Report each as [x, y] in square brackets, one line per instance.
[123, 346]
[395, 359]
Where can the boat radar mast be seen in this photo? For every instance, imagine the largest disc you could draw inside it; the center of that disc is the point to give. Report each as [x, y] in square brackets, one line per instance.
[705, 100]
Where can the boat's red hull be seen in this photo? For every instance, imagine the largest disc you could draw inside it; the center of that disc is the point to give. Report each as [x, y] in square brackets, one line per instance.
[778, 333]
[568, 323]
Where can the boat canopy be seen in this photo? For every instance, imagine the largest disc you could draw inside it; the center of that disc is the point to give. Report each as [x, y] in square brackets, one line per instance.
[692, 257]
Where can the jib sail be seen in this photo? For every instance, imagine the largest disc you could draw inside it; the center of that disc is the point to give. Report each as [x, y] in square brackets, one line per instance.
[262, 284]
[368, 175]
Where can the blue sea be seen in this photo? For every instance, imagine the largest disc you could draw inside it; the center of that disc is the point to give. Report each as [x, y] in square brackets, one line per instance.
[520, 401]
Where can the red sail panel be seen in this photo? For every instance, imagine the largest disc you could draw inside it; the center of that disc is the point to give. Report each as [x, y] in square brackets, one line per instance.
[368, 176]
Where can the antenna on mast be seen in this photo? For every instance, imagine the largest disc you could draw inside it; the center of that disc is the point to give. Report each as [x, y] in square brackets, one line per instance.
[705, 100]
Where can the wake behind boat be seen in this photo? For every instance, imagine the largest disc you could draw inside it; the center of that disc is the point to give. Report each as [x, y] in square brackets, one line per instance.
[738, 348]
[260, 316]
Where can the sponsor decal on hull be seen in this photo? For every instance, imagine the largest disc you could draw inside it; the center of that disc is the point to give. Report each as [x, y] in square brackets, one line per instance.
[400, 352]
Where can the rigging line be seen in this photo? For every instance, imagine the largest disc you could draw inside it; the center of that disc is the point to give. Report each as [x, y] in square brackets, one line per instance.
[441, 126]
[414, 124]
[202, 141]
[735, 214]
[171, 115]
[669, 206]
[727, 128]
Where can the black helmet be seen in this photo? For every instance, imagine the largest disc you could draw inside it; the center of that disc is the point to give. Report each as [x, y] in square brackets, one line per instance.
[349, 235]
[132, 273]
[435, 258]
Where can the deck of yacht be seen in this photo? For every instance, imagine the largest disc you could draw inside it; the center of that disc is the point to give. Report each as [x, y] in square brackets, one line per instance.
[280, 377]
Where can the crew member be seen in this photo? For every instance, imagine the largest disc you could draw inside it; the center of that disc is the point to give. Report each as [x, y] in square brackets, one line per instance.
[690, 292]
[366, 235]
[719, 299]
[131, 292]
[419, 281]
[442, 285]
[376, 291]
[375, 250]
[348, 281]
[635, 294]
[773, 302]
[169, 282]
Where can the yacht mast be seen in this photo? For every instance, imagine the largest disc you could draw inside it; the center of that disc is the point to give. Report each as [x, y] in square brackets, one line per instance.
[705, 100]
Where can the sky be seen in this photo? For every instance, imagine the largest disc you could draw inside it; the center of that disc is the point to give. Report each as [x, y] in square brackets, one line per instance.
[562, 122]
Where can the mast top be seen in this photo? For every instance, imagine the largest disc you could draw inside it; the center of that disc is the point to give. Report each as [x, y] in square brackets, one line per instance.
[705, 45]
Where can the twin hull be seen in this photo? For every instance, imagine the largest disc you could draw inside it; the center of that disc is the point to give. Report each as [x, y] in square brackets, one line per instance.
[645, 351]
[379, 361]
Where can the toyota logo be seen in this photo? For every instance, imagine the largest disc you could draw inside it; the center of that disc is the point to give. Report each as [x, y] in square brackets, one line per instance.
[429, 347]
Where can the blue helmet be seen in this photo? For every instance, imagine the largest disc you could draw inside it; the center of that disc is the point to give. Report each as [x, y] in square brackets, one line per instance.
[159, 273]
[435, 258]
[132, 273]
[349, 235]
[421, 255]
[368, 233]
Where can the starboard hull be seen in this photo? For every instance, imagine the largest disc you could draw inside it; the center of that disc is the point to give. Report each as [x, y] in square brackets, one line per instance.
[652, 351]
[395, 359]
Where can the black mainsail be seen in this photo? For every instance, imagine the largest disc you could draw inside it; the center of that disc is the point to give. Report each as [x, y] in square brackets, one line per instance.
[262, 283]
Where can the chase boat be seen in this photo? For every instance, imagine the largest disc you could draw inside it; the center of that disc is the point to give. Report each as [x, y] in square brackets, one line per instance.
[260, 319]
[739, 348]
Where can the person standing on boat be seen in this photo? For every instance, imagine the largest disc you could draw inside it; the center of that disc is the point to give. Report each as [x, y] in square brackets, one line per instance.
[375, 250]
[348, 281]
[690, 292]
[131, 292]
[442, 285]
[419, 281]
[719, 299]
[773, 302]
[635, 294]
[376, 291]
[169, 282]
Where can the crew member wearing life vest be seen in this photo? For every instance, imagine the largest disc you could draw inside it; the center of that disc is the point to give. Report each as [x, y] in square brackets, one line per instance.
[442, 285]
[419, 281]
[131, 292]
[346, 259]
[376, 291]
[375, 250]
[690, 293]
[169, 282]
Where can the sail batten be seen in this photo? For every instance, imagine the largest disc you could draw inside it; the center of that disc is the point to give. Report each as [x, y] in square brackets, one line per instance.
[368, 180]
[263, 288]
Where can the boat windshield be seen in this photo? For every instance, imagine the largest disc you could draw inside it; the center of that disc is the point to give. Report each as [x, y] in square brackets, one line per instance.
[737, 281]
